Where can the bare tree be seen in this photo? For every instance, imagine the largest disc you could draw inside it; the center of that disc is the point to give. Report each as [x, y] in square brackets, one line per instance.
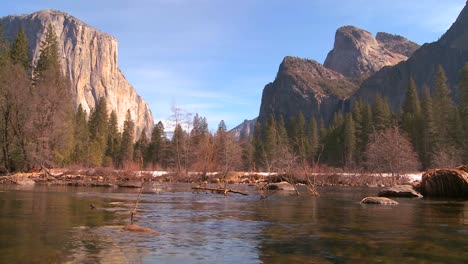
[390, 151]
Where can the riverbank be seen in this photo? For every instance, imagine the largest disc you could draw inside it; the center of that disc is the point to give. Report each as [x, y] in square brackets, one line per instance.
[102, 177]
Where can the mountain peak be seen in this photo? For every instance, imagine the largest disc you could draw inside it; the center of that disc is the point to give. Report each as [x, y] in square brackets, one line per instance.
[457, 35]
[396, 43]
[357, 53]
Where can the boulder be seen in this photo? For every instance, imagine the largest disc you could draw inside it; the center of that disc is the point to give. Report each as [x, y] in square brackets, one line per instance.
[450, 183]
[280, 186]
[378, 200]
[404, 191]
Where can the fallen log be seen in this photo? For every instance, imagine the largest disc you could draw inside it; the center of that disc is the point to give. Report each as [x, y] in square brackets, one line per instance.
[218, 190]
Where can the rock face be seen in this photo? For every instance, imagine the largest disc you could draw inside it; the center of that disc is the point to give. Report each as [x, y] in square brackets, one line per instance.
[317, 90]
[247, 128]
[396, 44]
[90, 61]
[450, 51]
[451, 183]
[305, 86]
[378, 200]
[357, 53]
[404, 191]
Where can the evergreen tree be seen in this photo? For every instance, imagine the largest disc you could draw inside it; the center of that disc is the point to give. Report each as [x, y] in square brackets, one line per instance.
[19, 52]
[48, 57]
[98, 133]
[429, 133]
[4, 48]
[333, 141]
[113, 139]
[412, 118]
[282, 137]
[178, 147]
[463, 110]
[140, 149]
[128, 137]
[381, 114]
[313, 140]
[298, 137]
[247, 152]
[53, 107]
[270, 139]
[81, 137]
[156, 145]
[349, 141]
[443, 110]
[257, 143]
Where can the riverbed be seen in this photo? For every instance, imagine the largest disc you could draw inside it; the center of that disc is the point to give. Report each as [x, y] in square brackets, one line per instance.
[56, 224]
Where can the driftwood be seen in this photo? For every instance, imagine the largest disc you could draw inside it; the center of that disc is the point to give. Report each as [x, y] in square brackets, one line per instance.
[224, 191]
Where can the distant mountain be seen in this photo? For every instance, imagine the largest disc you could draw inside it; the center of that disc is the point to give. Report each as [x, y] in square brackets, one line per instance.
[305, 86]
[247, 128]
[89, 60]
[450, 51]
[357, 53]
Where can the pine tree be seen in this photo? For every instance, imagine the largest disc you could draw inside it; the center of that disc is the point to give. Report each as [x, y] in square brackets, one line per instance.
[4, 48]
[313, 140]
[52, 100]
[98, 132]
[333, 141]
[113, 139]
[49, 56]
[178, 145]
[381, 114]
[429, 133]
[140, 149]
[19, 52]
[412, 118]
[349, 141]
[443, 111]
[270, 139]
[463, 110]
[81, 135]
[156, 145]
[247, 152]
[128, 137]
[257, 143]
[298, 137]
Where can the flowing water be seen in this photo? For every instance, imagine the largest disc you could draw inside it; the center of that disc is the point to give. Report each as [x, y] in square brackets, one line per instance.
[41, 224]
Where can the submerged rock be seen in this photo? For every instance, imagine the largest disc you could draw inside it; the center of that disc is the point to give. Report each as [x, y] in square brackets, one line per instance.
[405, 191]
[378, 200]
[451, 183]
[137, 228]
[281, 186]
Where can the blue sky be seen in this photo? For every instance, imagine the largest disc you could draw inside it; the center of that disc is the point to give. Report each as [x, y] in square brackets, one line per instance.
[213, 57]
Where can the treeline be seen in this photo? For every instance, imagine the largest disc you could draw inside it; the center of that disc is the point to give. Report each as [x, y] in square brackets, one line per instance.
[40, 127]
[425, 133]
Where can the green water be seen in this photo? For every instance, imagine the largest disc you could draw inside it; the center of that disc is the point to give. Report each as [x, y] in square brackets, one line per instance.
[55, 225]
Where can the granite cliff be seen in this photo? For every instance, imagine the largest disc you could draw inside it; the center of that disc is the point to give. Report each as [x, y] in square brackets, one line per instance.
[90, 61]
[357, 53]
[305, 86]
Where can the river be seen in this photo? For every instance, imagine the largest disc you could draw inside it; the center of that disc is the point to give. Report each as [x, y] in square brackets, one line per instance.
[51, 224]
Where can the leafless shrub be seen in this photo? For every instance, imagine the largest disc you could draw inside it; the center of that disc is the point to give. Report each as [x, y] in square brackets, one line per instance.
[390, 151]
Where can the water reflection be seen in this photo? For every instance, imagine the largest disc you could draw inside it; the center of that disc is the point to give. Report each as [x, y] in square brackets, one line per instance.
[52, 224]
